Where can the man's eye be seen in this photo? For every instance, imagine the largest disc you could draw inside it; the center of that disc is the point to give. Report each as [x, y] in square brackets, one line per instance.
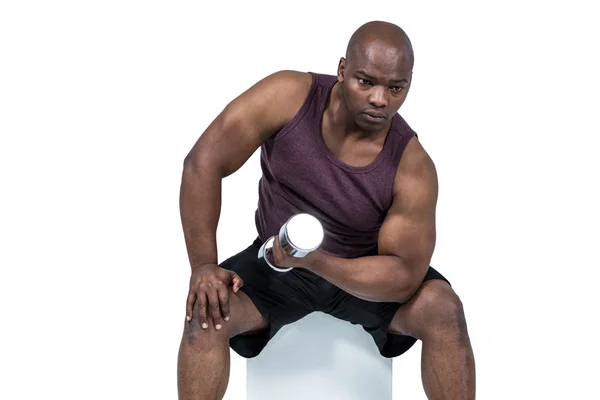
[363, 81]
[396, 89]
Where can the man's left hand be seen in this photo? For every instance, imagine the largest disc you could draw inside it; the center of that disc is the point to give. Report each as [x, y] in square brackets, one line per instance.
[281, 258]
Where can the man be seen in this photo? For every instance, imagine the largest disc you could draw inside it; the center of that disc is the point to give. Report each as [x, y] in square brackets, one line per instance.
[334, 147]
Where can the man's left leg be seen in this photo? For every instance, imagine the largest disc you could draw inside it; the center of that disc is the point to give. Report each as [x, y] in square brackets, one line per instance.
[435, 316]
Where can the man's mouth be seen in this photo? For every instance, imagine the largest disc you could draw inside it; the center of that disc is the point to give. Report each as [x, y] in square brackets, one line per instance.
[374, 117]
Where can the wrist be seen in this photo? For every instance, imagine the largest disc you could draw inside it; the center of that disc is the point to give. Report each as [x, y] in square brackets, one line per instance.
[201, 265]
[309, 261]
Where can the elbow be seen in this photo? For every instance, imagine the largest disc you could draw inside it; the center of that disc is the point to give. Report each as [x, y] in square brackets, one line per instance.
[195, 163]
[409, 283]
[192, 160]
[405, 293]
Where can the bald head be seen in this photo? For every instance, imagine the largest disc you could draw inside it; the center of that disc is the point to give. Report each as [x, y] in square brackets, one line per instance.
[376, 75]
[380, 34]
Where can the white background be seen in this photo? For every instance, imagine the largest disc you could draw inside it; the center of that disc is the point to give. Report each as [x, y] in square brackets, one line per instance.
[101, 101]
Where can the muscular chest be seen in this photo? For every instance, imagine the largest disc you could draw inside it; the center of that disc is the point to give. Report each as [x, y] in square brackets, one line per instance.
[309, 180]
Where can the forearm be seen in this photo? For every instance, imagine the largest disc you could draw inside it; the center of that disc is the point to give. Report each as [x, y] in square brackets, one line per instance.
[373, 278]
[200, 209]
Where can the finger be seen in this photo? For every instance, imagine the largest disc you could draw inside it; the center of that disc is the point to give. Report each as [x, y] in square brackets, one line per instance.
[237, 283]
[223, 294]
[189, 306]
[276, 244]
[276, 251]
[201, 304]
[214, 308]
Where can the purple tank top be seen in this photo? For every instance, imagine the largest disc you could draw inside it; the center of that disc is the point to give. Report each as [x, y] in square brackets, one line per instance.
[301, 175]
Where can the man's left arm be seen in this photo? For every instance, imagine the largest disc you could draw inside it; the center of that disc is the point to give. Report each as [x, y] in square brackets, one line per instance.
[406, 240]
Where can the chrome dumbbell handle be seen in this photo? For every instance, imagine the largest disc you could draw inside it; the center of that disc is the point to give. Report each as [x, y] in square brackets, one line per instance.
[300, 235]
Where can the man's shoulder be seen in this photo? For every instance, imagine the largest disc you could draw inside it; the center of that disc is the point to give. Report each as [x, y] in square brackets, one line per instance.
[415, 163]
[286, 90]
[291, 79]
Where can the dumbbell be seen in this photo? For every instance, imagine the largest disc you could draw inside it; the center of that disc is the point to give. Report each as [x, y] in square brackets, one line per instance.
[300, 235]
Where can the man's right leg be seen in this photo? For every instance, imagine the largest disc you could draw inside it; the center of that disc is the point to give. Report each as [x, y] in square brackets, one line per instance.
[203, 361]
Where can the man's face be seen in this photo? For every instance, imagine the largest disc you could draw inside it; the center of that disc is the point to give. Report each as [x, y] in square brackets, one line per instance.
[375, 81]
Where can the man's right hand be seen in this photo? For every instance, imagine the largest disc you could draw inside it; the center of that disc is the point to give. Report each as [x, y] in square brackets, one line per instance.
[209, 286]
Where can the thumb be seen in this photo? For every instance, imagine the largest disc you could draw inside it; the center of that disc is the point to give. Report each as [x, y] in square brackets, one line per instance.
[237, 282]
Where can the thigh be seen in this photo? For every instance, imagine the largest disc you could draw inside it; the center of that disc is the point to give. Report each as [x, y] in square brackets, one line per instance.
[278, 297]
[376, 318]
[371, 315]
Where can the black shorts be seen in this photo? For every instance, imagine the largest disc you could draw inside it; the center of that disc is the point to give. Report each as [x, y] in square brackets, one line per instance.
[283, 298]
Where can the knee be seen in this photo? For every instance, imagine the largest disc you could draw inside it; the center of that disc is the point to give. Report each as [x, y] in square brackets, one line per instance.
[196, 336]
[443, 312]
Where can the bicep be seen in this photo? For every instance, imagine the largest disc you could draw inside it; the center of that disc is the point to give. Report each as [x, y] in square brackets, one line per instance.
[408, 231]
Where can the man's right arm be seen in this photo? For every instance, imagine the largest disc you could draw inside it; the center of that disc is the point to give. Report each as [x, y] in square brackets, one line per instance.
[228, 142]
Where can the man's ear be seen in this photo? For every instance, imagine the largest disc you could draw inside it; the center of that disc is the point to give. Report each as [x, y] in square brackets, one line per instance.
[341, 69]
